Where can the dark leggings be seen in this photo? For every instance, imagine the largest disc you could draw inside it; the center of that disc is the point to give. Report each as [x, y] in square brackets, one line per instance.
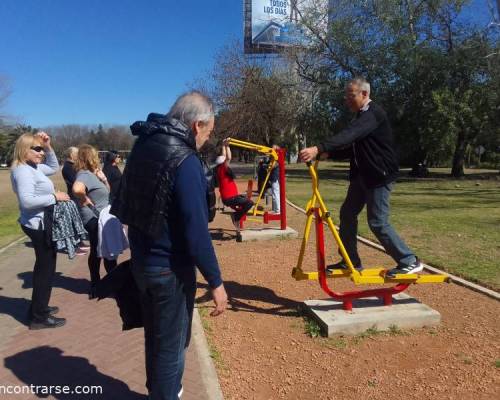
[43, 274]
[240, 204]
[94, 261]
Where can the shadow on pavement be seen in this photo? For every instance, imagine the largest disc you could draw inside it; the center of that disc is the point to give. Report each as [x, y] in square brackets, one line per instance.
[48, 366]
[75, 285]
[16, 307]
[222, 235]
[239, 296]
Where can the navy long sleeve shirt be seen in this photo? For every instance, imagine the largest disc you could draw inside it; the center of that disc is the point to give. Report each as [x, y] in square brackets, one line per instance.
[185, 241]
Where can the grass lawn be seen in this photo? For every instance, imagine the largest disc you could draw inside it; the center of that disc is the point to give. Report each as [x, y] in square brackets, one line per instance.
[9, 210]
[451, 224]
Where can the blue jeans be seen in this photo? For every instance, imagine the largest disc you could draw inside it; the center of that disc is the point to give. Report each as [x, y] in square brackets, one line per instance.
[377, 207]
[275, 190]
[167, 298]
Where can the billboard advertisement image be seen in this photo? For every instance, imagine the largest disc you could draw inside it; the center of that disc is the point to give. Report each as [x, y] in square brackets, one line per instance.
[271, 25]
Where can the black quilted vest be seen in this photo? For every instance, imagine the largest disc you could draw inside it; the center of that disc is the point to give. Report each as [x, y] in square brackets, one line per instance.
[144, 199]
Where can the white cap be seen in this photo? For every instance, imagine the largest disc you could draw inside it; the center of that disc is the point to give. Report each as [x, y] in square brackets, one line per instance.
[219, 160]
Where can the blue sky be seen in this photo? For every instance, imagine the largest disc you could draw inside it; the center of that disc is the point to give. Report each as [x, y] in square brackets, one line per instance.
[109, 61]
[91, 61]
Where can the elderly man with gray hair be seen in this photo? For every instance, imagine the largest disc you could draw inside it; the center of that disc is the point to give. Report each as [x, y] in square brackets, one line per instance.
[368, 141]
[163, 199]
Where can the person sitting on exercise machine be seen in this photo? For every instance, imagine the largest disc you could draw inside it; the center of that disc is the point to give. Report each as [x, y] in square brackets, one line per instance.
[227, 186]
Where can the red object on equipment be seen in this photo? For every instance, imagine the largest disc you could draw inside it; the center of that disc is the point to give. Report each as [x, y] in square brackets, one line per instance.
[249, 189]
[281, 163]
[272, 217]
[347, 297]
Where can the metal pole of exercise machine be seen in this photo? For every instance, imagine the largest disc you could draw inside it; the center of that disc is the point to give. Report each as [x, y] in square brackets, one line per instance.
[281, 163]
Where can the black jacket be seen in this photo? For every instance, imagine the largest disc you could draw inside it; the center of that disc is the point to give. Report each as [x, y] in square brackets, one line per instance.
[369, 141]
[120, 283]
[144, 197]
[113, 175]
[69, 175]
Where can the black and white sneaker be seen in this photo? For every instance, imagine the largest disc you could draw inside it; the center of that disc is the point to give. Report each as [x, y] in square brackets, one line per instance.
[413, 268]
[342, 266]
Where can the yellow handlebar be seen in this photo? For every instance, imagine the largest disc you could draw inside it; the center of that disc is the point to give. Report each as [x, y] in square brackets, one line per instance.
[256, 147]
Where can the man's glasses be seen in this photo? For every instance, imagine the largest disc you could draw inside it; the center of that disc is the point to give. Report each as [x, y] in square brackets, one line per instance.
[38, 149]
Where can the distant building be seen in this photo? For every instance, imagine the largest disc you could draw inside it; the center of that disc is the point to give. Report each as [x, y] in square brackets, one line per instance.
[270, 34]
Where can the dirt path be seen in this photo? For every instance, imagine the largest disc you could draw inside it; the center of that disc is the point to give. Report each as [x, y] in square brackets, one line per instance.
[266, 354]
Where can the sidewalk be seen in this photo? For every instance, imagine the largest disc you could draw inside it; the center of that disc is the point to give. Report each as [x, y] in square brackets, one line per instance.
[91, 349]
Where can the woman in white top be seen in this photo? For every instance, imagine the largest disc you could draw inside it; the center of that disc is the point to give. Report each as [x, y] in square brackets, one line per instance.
[35, 192]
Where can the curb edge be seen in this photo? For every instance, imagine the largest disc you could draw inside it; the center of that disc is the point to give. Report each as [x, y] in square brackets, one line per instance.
[207, 367]
[455, 279]
[12, 244]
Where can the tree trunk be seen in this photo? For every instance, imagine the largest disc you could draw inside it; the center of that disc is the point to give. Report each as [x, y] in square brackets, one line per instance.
[457, 169]
[469, 152]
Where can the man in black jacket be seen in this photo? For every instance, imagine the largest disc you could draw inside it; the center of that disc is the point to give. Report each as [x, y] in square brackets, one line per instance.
[163, 199]
[374, 168]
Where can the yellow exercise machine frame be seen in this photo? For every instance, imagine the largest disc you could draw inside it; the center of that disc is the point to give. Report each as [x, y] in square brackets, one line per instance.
[317, 209]
[277, 156]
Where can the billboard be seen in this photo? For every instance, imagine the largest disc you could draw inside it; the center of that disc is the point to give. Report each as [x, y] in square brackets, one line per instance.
[271, 25]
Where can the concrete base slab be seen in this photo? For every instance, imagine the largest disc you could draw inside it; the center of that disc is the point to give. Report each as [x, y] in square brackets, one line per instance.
[405, 312]
[266, 233]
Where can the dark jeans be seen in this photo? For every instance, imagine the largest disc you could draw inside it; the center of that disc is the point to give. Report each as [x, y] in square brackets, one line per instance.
[377, 207]
[94, 261]
[43, 274]
[167, 299]
[241, 204]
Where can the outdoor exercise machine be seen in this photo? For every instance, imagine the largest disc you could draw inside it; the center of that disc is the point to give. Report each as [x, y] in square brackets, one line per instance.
[316, 209]
[276, 156]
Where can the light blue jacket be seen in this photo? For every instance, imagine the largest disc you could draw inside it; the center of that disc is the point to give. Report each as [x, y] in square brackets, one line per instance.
[34, 190]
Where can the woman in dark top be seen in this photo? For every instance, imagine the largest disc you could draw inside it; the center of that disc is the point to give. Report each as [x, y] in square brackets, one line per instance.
[68, 169]
[112, 172]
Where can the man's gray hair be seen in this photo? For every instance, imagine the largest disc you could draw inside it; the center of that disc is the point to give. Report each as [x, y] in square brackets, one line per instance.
[70, 151]
[360, 82]
[191, 107]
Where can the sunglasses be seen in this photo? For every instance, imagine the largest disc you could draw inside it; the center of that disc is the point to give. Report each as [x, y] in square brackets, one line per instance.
[38, 149]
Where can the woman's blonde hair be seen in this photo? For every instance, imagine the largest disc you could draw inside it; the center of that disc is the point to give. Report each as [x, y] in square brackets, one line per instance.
[23, 145]
[87, 159]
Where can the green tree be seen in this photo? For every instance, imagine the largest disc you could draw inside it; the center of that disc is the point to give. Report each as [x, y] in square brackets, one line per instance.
[256, 99]
[8, 138]
[418, 55]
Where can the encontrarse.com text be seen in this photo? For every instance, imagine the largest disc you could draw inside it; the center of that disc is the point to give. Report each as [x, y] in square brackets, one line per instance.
[52, 389]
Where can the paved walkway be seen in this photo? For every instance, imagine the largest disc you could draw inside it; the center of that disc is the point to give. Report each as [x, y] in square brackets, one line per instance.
[91, 349]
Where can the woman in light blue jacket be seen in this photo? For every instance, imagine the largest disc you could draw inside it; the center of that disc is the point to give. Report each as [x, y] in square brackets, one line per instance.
[35, 192]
